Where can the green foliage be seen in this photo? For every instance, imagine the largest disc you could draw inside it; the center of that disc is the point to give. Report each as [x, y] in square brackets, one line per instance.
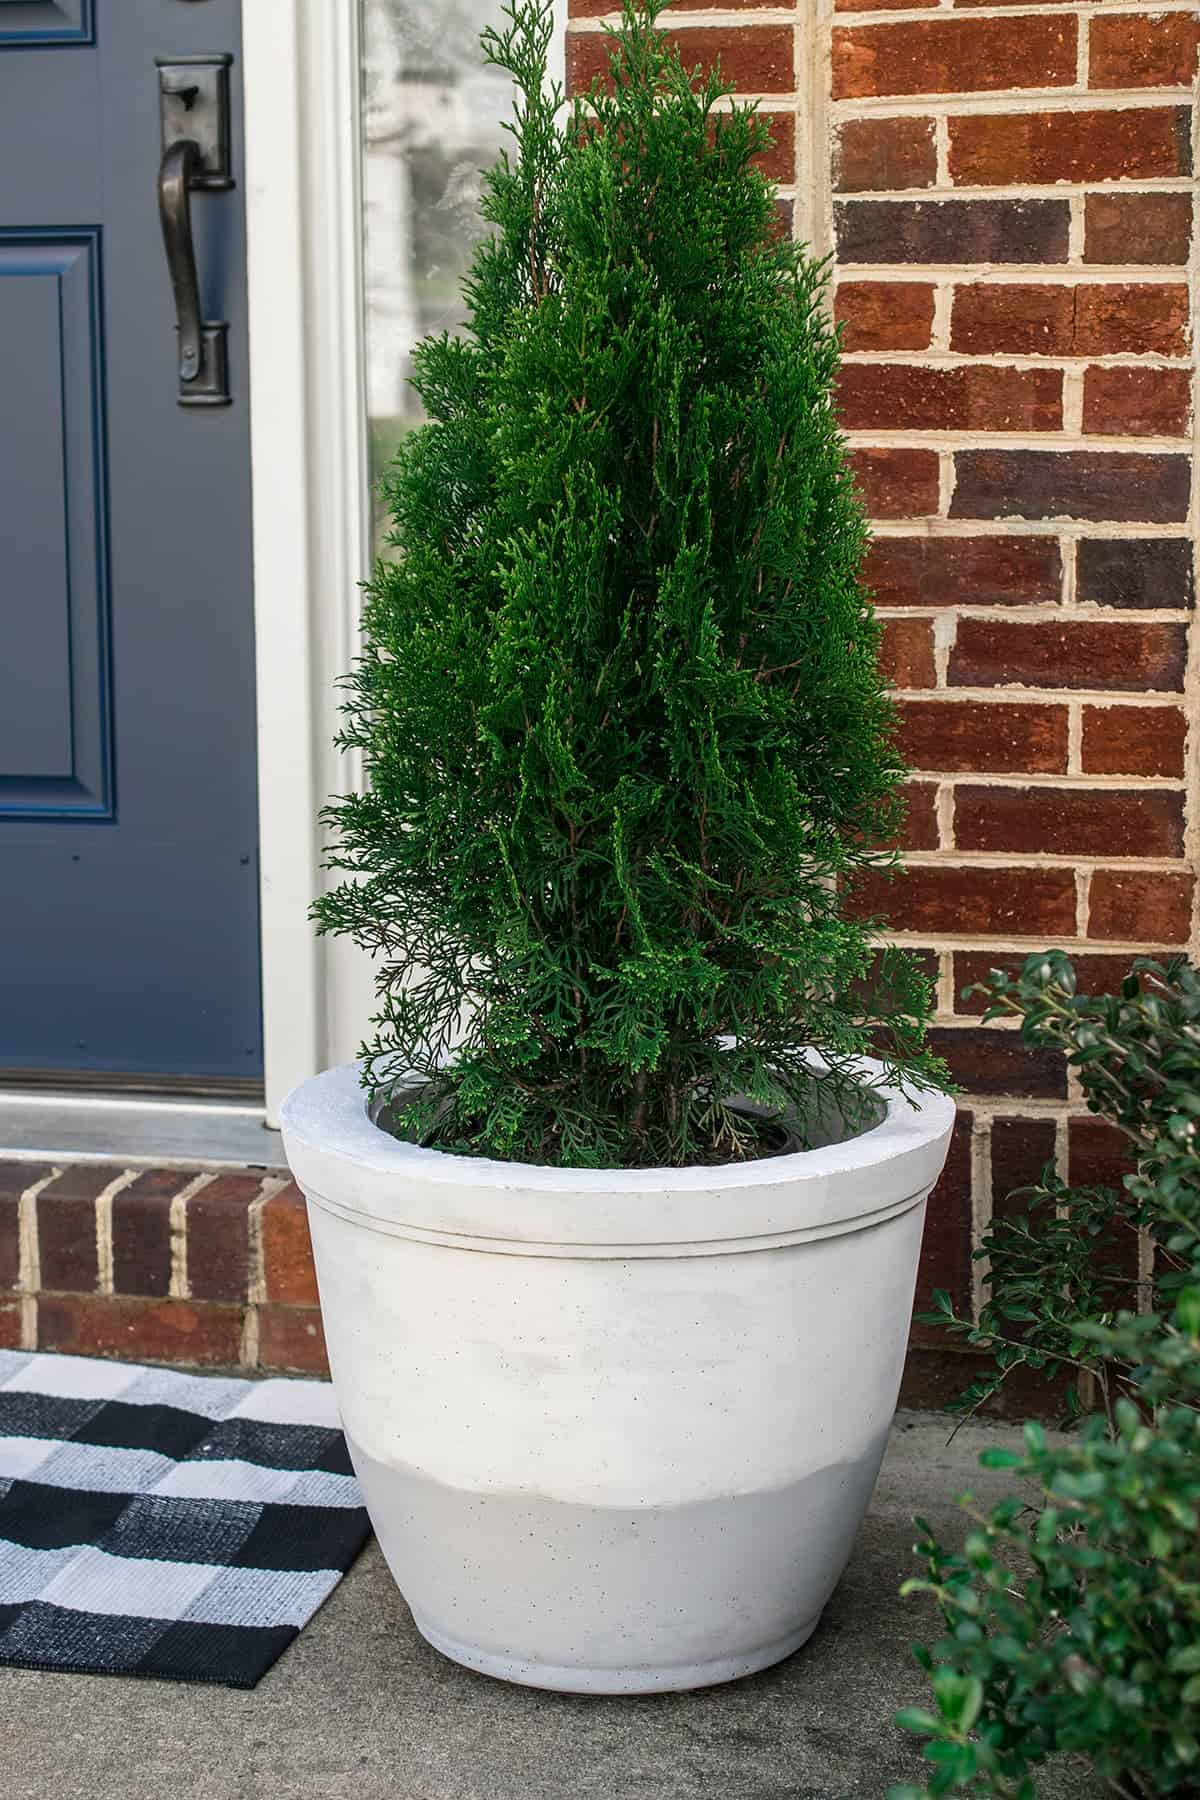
[619, 707]
[1072, 1616]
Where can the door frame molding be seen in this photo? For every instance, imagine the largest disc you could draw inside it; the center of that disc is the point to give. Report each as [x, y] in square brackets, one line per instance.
[311, 500]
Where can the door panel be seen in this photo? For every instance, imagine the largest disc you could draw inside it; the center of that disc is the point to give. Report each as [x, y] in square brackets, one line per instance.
[128, 808]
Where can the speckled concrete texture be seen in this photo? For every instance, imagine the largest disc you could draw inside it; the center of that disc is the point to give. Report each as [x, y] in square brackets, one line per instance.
[361, 1709]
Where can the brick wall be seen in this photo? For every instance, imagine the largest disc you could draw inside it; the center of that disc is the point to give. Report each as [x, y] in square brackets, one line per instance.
[210, 1269]
[1007, 189]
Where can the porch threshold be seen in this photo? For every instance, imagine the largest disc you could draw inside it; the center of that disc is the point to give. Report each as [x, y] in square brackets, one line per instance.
[160, 1131]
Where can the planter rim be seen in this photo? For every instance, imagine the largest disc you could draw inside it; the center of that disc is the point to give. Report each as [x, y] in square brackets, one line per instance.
[349, 1165]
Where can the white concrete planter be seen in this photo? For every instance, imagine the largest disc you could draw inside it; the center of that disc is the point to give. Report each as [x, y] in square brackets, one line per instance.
[616, 1430]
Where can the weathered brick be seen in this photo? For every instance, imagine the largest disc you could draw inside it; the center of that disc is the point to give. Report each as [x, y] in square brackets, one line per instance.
[1145, 228]
[906, 653]
[1097, 319]
[1098, 1154]
[953, 231]
[884, 155]
[965, 571]
[1019, 318]
[920, 827]
[1126, 402]
[1140, 906]
[10, 1241]
[287, 1249]
[1134, 740]
[756, 59]
[141, 1232]
[1065, 821]
[218, 1237]
[1136, 572]
[1102, 485]
[1131, 319]
[897, 484]
[164, 1331]
[881, 5]
[291, 1340]
[952, 56]
[1021, 1149]
[1132, 50]
[907, 397]
[1073, 653]
[955, 736]
[946, 1248]
[66, 1225]
[611, 9]
[1136, 144]
[778, 160]
[991, 1059]
[1095, 972]
[885, 315]
[1038, 901]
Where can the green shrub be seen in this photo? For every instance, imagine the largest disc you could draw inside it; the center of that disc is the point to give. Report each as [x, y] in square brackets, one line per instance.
[619, 707]
[1073, 1621]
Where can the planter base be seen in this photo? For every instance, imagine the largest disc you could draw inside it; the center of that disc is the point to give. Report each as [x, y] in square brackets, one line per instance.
[616, 1681]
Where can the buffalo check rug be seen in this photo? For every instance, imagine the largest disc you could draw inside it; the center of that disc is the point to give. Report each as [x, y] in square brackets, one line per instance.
[165, 1524]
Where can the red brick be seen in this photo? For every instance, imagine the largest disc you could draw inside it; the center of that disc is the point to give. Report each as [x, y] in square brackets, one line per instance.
[885, 315]
[920, 828]
[1135, 572]
[881, 5]
[905, 397]
[946, 1249]
[906, 653]
[218, 1237]
[954, 56]
[953, 736]
[1131, 319]
[754, 59]
[1098, 1154]
[10, 1325]
[291, 1340]
[1141, 906]
[287, 1249]
[66, 1226]
[884, 155]
[1144, 228]
[1136, 144]
[165, 1331]
[778, 161]
[1021, 1148]
[1137, 402]
[1062, 821]
[1022, 319]
[141, 1232]
[1027, 902]
[1131, 50]
[990, 1059]
[1077, 653]
[1101, 485]
[1098, 319]
[1134, 740]
[952, 231]
[897, 484]
[1095, 972]
[965, 571]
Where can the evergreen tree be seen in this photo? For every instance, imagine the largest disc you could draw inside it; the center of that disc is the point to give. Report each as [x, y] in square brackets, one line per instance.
[619, 705]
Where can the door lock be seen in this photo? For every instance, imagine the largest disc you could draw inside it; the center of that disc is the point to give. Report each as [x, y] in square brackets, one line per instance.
[194, 109]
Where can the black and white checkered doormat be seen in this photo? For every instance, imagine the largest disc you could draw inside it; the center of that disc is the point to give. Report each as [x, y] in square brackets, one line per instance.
[157, 1523]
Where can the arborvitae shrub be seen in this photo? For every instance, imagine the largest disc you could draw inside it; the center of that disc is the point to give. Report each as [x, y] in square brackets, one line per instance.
[625, 734]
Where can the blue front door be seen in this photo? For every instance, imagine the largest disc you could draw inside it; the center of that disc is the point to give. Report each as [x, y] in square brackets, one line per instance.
[128, 808]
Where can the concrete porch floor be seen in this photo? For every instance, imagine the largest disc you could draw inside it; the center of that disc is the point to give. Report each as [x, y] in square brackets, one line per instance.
[361, 1709]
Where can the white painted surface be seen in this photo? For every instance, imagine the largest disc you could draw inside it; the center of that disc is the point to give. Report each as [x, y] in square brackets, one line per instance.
[617, 1430]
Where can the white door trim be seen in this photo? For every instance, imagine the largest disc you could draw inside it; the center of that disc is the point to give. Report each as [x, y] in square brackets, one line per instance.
[310, 482]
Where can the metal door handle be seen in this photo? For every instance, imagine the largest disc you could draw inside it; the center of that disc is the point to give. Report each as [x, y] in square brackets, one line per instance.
[194, 90]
